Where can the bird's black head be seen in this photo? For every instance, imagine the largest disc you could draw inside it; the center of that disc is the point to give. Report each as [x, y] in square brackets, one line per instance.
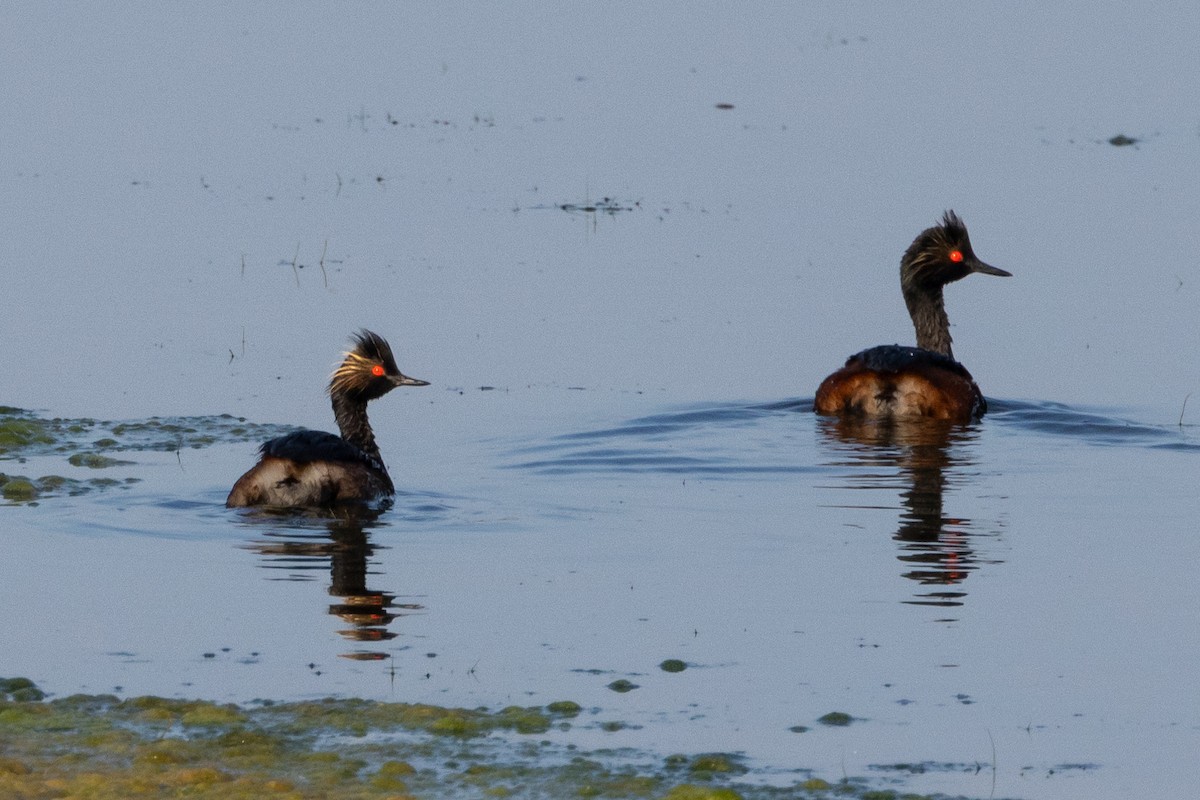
[369, 370]
[942, 254]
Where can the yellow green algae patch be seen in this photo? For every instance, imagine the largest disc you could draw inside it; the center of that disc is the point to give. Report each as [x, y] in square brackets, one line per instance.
[716, 763]
[17, 488]
[20, 430]
[690, 792]
[102, 747]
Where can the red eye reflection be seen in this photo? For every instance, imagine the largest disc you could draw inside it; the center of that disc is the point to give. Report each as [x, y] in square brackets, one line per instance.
[956, 256]
[378, 370]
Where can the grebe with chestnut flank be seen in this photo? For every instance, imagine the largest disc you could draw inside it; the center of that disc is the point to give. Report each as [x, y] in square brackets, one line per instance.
[921, 381]
[317, 469]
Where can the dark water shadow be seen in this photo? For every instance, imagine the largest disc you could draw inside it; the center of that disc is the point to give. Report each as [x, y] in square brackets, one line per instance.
[303, 545]
[923, 461]
[922, 458]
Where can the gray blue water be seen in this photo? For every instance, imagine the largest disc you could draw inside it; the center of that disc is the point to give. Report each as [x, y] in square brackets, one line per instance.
[938, 583]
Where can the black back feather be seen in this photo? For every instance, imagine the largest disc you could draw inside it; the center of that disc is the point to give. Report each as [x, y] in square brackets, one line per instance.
[897, 358]
[306, 446]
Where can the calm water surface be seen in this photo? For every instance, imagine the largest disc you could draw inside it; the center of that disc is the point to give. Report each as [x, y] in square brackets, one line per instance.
[949, 587]
[624, 296]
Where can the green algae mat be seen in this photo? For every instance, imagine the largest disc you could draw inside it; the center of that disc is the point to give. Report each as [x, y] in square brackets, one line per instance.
[101, 747]
[94, 444]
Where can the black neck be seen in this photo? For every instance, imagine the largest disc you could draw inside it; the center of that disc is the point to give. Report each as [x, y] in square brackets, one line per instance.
[351, 416]
[928, 312]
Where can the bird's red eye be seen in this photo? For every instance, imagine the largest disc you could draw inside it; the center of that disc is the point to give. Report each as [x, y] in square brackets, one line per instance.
[956, 256]
[377, 370]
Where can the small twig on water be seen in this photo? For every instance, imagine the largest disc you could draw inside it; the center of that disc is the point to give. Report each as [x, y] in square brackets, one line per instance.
[296, 269]
[243, 341]
[1185, 399]
[322, 263]
[993, 741]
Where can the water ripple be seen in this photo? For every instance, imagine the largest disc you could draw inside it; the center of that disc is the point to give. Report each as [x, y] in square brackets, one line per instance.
[728, 440]
[735, 440]
[1090, 427]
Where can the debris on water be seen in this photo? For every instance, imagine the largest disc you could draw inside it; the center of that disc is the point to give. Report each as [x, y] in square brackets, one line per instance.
[17, 488]
[564, 708]
[95, 461]
[717, 763]
[836, 718]
[621, 686]
[605, 205]
[1121, 140]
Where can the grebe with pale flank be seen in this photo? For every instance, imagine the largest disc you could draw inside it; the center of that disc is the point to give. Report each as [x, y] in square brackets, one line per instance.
[317, 469]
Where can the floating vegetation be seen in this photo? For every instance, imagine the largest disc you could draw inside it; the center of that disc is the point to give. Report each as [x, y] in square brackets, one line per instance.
[20, 690]
[717, 763]
[24, 434]
[673, 665]
[20, 489]
[86, 442]
[605, 205]
[1121, 140]
[923, 767]
[17, 488]
[103, 747]
[565, 708]
[95, 461]
[19, 431]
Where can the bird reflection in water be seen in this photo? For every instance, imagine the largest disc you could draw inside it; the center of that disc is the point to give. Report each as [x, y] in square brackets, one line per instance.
[921, 457]
[344, 545]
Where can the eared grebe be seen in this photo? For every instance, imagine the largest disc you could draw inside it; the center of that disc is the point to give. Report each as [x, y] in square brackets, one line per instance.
[925, 380]
[314, 468]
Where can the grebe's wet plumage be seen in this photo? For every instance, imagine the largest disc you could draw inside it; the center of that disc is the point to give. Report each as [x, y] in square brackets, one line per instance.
[317, 469]
[925, 380]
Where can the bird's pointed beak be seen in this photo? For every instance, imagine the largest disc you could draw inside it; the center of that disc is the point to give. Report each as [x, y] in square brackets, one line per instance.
[404, 380]
[988, 269]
